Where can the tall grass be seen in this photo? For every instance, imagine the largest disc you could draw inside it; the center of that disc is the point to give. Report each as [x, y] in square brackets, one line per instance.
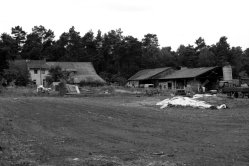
[18, 91]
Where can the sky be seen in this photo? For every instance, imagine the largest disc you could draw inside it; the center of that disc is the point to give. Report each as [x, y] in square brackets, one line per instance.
[175, 22]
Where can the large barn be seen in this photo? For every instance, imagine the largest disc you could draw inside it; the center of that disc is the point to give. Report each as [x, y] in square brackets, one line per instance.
[193, 78]
[178, 78]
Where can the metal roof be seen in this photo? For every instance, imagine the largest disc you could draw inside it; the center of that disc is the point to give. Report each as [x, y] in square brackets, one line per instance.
[147, 73]
[187, 73]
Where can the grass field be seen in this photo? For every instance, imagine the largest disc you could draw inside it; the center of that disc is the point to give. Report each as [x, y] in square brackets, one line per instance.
[120, 130]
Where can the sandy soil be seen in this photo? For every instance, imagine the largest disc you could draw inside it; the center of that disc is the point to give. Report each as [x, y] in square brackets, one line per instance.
[121, 130]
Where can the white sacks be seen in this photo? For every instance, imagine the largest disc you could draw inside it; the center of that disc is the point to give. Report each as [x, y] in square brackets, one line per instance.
[186, 101]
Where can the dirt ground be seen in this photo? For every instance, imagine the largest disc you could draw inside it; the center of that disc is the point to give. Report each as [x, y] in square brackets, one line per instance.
[121, 130]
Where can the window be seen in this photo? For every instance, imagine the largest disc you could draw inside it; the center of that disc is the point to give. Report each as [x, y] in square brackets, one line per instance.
[169, 85]
[35, 71]
[34, 82]
[43, 82]
[43, 71]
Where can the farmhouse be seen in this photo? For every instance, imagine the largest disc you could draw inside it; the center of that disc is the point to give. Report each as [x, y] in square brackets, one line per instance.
[79, 71]
[178, 78]
[38, 70]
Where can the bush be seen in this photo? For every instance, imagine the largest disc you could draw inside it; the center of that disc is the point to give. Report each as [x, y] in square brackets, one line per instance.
[49, 80]
[92, 83]
[62, 88]
[106, 76]
[120, 80]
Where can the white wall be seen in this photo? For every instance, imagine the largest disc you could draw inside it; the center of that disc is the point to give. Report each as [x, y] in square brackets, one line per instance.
[39, 77]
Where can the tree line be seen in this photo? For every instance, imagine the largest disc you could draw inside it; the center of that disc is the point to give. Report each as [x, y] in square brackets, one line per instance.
[116, 57]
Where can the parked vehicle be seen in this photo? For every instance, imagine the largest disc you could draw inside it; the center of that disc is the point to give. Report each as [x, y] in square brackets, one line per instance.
[233, 88]
[236, 91]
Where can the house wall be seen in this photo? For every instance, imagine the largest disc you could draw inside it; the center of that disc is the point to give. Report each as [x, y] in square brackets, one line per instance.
[167, 85]
[193, 86]
[39, 77]
[186, 84]
[134, 84]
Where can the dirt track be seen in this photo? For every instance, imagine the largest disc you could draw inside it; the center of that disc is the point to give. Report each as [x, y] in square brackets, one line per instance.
[120, 131]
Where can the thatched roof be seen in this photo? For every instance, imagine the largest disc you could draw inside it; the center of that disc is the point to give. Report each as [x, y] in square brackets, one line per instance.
[147, 73]
[84, 71]
[37, 64]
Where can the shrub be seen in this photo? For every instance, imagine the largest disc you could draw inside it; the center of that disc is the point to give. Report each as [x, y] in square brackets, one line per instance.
[92, 83]
[62, 88]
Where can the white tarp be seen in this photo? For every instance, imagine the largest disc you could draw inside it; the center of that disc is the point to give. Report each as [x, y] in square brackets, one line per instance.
[73, 89]
[196, 96]
[187, 101]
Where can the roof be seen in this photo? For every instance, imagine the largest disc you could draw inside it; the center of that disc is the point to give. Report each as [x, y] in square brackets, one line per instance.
[73, 66]
[147, 73]
[187, 73]
[84, 71]
[37, 64]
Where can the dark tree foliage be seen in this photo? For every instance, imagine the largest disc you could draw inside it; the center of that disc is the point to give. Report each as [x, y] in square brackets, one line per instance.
[56, 74]
[116, 57]
[7, 52]
[19, 36]
[3, 60]
[222, 51]
[17, 73]
[245, 61]
[168, 57]
[8, 45]
[150, 51]
[206, 58]
[38, 44]
[187, 56]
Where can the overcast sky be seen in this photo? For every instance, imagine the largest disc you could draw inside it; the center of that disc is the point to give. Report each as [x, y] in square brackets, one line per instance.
[174, 21]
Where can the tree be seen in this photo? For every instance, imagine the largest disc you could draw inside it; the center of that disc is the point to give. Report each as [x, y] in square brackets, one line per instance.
[235, 59]
[32, 49]
[222, 51]
[56, 74]
[69, 46]
[187, 56]
[129, 53]
[150, 40]
[111, 42]
[7, 53]
[8, 44]
[200, 44]
[89, 47]
[245, 61]
[151, 51]
[167, 57]
[38, 44]
[3, 61]
[20, 36]
[206, 58]
[99, 60]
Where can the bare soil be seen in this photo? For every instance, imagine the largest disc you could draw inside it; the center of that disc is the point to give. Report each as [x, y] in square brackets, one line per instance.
[121, 130]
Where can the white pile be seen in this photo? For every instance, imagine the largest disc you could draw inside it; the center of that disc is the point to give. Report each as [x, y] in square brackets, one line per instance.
[196, 96]
[186, 101]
